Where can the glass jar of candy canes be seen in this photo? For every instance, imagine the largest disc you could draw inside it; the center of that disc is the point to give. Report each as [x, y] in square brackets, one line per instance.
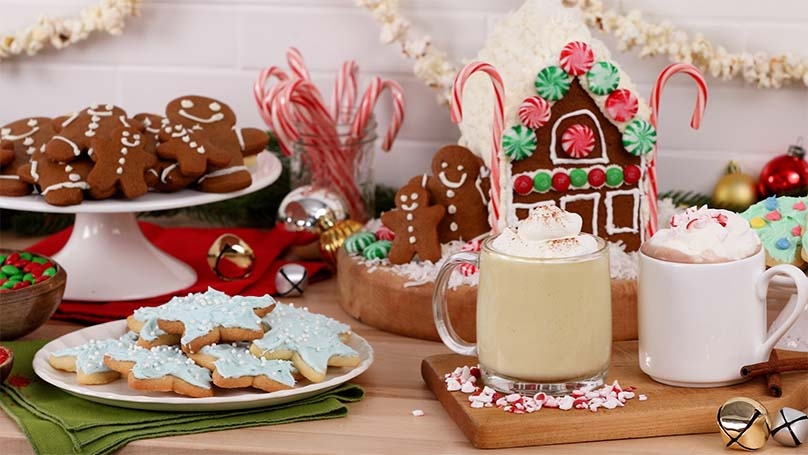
[339, 160]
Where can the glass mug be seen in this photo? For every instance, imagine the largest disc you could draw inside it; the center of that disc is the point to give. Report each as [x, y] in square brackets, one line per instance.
[543, 324]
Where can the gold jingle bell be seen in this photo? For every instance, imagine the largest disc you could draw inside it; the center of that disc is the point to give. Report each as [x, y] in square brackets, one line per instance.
[230, 257]
[744, 424]
[322, 212]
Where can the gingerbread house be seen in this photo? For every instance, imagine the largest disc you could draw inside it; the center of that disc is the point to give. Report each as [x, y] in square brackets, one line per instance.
[581, 143]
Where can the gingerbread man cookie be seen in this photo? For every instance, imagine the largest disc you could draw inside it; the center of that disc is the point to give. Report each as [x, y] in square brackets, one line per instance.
[456, 184]
[120, 163]
[415, 223]
[191, 149]
[76, 131]
[218, 122]
[60, 184]
[18, 142]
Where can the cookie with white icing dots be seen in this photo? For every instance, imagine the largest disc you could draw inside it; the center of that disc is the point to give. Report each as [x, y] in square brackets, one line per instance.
[161, 369]
[19, 141]
[234, 367]
[60, 184]
[121, 162]
[218, 121]
[456, 183]
[214, 317]
[415, 224]
[75, 132]
[193, 152]
[87, 360]
[311, 341]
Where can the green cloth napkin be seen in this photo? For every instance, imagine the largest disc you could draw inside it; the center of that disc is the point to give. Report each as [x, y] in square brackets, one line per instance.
[56, 422]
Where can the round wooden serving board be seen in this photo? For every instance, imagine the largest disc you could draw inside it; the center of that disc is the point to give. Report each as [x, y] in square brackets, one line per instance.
[377, 297]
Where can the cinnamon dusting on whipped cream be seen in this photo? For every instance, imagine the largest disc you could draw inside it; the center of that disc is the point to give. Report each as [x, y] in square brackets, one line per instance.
[547, 233]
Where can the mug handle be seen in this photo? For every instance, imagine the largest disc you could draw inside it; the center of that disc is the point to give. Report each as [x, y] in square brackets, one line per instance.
[440, 303]
[801, 283]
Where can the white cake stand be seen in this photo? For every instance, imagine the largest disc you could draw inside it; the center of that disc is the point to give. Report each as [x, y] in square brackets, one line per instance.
[107, 257]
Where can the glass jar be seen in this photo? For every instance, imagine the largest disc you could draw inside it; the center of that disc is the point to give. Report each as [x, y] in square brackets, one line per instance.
[343, 163]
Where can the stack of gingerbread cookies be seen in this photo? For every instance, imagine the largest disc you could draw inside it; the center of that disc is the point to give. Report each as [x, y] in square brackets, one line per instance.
[101, 152]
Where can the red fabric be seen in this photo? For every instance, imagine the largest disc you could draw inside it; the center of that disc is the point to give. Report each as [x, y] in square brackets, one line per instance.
[190, 245]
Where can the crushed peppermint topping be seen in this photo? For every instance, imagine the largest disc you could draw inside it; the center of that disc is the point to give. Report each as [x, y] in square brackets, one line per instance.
[417, 413]
[609, 396]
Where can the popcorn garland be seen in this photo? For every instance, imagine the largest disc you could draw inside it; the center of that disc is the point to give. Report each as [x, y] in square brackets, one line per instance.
[464, 379]
[631, 31]
[108, 16]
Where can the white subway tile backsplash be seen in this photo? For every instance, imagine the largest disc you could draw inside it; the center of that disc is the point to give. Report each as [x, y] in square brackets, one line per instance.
[216, 47]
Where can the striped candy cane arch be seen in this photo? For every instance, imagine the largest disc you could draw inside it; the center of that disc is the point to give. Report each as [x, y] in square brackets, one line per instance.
[695, 123]
[498, 125]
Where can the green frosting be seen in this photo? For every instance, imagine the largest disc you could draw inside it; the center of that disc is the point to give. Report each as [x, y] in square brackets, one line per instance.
[778, 235]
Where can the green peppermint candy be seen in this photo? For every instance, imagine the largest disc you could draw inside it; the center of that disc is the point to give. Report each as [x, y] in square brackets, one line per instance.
[519, 142]
[614, 176]
[552, 83]
[542, 182]
[377, 250]
[639, 137]
[357, 242]
[603, 78]
[578, 177]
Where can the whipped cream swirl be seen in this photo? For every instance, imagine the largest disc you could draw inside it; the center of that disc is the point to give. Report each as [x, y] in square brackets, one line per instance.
[548, 232]
[703, 235]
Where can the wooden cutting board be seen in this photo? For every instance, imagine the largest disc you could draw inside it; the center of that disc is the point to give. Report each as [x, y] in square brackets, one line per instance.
[667, 411]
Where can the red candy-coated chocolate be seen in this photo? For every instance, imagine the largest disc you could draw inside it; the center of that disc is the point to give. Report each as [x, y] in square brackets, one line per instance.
[523, 185]
[4, 354]
[597, 177]
[25, 266]
[561, 181]
[631, 174]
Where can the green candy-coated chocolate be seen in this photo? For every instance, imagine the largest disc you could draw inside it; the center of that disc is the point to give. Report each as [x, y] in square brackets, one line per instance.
[578, 177]
[3, 258]
[26, 255]
[28, 277]
[39, 260]
[50, 271]
[10, 270]
[614, 176]
[9, 284]
[542, 181]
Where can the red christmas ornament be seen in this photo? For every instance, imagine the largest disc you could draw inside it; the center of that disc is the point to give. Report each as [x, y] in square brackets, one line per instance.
[785, 175]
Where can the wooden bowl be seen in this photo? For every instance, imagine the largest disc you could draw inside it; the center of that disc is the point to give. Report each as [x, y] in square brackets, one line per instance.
[25, 309]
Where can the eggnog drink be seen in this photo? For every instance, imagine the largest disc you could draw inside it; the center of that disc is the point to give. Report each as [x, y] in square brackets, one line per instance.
[544, 302]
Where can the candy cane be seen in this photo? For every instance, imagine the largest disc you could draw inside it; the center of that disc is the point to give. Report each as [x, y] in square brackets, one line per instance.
[321, 138]
[345, 91]
[497, 127]
[695, 123]
[295, 60]
[368, 103]
[262, 97]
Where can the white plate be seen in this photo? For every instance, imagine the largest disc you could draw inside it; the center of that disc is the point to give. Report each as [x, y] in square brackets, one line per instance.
[265, 171]
[119, 394]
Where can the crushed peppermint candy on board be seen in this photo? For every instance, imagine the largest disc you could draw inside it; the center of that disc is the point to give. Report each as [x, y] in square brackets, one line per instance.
[464, 379]
[417, 413]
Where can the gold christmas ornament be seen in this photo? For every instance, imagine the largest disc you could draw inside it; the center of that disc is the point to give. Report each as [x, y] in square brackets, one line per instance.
[735, 190]
[331, 239]
[230, 257]
[744, 424]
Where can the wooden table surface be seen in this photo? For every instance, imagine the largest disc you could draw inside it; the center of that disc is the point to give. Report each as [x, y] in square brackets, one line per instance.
[381, 423]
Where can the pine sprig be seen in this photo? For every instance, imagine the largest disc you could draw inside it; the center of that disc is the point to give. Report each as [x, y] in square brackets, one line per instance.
[682, 198]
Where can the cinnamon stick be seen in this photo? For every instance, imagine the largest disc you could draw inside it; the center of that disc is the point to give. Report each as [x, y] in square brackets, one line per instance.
[779, 366]
[773, 380]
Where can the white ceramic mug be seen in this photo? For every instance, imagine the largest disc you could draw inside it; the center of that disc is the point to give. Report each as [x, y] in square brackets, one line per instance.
[700, 323]
[542, 324]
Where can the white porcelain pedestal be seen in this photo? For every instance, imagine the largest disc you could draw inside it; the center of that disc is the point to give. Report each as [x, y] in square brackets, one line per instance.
[108, 258]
